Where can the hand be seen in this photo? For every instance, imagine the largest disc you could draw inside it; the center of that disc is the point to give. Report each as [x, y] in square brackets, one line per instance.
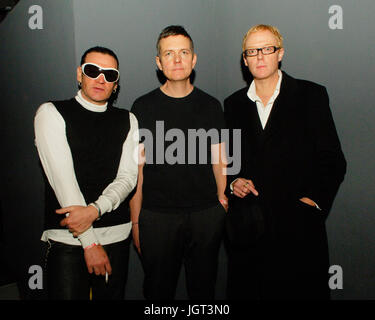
[308, 201]
[80, 218]
[224, 202]
[135, 233]
[242, 187]
[97, 260]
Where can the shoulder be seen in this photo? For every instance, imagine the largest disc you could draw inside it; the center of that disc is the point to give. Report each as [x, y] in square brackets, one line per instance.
[119, 111]
[208, 104]
[237, 95]
[48, 116]
[305, 86]
[236, 99]
[133, 120]
[145, 100]
[47, 109]
[200, 94]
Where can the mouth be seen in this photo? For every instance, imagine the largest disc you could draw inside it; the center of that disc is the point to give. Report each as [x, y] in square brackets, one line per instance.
[98, 89]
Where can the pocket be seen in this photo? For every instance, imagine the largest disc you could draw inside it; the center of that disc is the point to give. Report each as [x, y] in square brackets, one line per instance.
[308, 210]
[223, 209]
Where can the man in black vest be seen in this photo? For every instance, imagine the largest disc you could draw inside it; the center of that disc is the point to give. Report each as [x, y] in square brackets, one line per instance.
[86, 147]
[291, 168]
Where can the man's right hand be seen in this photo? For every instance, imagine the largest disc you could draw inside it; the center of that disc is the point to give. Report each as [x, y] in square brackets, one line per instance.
[242, 187]
[97, 260]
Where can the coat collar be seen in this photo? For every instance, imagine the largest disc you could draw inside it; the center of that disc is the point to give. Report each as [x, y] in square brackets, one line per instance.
[277, 119]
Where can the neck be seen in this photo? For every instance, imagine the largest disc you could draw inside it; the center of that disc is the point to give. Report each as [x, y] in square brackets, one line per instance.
[266, 87]
[177, 89]
[89, 105]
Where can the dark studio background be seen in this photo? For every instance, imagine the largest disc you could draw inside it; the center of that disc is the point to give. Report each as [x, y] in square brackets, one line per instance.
[39, 65]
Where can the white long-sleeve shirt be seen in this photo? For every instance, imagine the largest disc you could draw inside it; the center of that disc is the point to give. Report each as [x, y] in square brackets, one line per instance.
[56, 158]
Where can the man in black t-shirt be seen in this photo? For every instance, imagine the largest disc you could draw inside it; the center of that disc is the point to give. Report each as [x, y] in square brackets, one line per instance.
[179, 208]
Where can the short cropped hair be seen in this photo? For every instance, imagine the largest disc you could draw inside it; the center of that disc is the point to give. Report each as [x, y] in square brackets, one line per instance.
[173, 30]
[263, 27]
[100, 50]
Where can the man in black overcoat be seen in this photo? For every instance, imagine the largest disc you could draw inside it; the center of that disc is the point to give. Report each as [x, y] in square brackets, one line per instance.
[291, 168]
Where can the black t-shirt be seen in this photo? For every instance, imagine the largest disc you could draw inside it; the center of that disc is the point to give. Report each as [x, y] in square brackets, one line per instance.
[177, 134]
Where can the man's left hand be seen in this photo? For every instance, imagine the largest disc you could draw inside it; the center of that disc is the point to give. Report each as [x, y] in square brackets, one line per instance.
[308, 201]
[80, 218]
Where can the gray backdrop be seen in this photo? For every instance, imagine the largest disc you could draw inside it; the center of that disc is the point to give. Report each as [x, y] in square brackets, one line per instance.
[39, 65]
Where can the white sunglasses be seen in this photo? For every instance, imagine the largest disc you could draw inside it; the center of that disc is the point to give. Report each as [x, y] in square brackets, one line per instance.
[93, 71]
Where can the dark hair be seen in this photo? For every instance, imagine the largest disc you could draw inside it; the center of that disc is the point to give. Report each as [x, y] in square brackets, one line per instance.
[173, 30]
[100, 50]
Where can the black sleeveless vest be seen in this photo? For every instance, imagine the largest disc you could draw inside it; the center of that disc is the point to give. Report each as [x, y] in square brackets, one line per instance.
[95, 140]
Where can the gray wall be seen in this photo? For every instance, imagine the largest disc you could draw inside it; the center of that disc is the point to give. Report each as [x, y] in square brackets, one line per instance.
[35, 67]
[39, 65]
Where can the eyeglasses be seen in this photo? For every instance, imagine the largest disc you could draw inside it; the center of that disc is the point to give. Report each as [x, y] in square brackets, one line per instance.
[266, 50]
[93, 71]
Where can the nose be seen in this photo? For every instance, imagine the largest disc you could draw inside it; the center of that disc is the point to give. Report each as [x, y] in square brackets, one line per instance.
[260, 55]
[101, 78]
[177, 58]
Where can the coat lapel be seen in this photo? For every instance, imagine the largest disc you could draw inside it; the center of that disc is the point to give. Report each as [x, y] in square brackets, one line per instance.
[279, 114]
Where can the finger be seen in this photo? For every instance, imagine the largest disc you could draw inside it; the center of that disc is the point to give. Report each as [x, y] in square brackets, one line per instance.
[239, 193]
[108, 267]
[250, 185]
[241, 190]
[90, 268]
[253, 190]
[63, 222]
[99, 271]
[246, 189]
[64, 210]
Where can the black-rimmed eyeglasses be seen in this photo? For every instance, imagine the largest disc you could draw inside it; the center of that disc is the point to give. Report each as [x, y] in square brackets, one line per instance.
[265, 50]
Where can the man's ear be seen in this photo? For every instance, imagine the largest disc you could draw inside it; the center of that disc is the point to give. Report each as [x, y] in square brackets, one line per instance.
[245, 61]
[280, 54]
[79, 74]
[194, 60]
[157, 60]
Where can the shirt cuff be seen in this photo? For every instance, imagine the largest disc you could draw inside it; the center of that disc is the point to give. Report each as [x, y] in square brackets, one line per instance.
[231, 185]
[87, 238]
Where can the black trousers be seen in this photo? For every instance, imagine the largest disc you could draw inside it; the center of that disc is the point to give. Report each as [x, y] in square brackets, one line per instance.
[277, 256]
[68, 277]
[169, 240]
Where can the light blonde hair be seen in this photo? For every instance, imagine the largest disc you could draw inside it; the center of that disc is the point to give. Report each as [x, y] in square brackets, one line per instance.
[262, 27]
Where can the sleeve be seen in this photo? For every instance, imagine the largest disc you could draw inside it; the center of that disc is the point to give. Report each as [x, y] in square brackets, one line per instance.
[126, 178]
[230, 125]
[56, 158]
[329, 161]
